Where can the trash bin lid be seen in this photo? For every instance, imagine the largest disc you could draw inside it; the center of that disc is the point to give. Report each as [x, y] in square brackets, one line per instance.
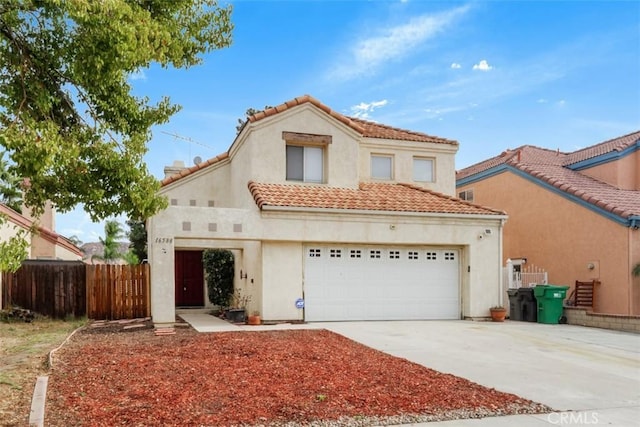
[550, 291]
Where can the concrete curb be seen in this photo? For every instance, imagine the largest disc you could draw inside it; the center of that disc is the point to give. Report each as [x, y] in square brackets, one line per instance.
[36, 417]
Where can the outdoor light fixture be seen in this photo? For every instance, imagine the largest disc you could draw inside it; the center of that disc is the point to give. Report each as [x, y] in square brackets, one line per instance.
[243, 276]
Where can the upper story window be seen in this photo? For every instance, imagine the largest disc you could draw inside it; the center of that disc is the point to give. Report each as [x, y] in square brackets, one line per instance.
[422, 170]
[381, 167]
[466, 195]
[306, 156]
[305, 163]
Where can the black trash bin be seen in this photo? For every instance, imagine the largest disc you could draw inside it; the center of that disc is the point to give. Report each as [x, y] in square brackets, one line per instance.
[528, 305]
[515, 308]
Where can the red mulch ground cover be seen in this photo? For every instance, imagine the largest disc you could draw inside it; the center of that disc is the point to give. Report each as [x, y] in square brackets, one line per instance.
[295, 377]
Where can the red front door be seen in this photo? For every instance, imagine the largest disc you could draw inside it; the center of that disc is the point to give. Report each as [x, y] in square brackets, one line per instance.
[189, 279]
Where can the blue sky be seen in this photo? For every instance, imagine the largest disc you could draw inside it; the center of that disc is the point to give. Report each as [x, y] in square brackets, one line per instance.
[491, 75]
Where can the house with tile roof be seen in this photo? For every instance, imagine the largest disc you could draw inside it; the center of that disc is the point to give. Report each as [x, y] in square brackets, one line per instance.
[44, 243]
[575, 214]
[329, 218]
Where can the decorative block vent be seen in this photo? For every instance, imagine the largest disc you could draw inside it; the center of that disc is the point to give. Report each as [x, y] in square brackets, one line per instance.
[192, 202]
[237, 228]
[186, 226]
[174, 202]
[211, 203]
[213, 226]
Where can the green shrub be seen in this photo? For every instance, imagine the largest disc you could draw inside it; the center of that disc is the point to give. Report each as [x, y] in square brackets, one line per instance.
[219, 268]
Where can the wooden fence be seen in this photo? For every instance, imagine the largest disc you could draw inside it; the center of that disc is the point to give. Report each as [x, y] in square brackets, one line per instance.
[72, 288]
[52, 288]
[118, 291]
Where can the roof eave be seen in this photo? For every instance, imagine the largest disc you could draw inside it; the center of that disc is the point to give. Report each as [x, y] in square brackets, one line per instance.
[302, 209]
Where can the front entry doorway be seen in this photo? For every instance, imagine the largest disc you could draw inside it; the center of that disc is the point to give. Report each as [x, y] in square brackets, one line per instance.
[189, 280]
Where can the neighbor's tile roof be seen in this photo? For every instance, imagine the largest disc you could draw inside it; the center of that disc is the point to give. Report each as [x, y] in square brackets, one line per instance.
[369, 196]
[550, 167]
[616, 144]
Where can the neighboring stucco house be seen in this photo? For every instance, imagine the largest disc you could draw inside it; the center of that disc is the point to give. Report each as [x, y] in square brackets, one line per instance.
[44, 243]
[329, 218]
[574, 214]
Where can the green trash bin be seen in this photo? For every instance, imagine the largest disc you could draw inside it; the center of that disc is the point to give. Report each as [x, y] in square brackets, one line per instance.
[550, 300]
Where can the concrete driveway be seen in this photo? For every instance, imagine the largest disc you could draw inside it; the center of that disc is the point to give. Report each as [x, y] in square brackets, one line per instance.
[593, 375]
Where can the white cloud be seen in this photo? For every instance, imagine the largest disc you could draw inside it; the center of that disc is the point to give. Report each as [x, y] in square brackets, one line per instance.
[363, 109]
[371, 52]
[138, 75]
[542, 101]
[561, 103]
[482, 66]
[456, 66]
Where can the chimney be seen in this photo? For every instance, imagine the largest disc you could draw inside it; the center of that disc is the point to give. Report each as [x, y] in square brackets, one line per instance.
[176, 167]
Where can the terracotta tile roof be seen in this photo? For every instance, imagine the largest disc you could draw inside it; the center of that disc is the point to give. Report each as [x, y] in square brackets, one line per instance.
[524, 154]
[188, 171]
[363, 127]
[616, 144]
[550, 167]
[369, 196]
[377, 130]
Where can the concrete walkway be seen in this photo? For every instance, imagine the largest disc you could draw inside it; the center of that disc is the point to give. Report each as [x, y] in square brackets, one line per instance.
[591, 376]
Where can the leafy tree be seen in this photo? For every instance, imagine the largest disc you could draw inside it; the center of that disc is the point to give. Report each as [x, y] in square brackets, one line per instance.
[68, 120]
[219, 268]
[13, 250]
[636, 270]
[10, 193]
[112, 234]
[130, 257]
[250, 112]
[138, 237]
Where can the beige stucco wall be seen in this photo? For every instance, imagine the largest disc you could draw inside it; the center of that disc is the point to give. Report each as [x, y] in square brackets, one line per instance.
[65, 254]
[563, 238]
[8, 230]
[403, 153]
[623, 173]
[276, 265]
[283, 278]
[260, 155]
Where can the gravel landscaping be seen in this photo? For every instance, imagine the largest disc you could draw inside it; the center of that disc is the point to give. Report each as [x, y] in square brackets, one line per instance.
[104, 377]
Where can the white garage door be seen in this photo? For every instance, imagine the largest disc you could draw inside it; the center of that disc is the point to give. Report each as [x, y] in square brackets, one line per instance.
[381, 283]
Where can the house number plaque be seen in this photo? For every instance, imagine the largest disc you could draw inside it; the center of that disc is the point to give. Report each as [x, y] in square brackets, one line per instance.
[164, 239]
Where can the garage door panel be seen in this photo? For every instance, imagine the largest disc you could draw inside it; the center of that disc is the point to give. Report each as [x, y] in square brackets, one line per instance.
[376, 283]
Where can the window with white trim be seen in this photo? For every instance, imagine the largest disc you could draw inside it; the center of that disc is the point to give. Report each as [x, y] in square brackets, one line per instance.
[422, 169]
[466, 195]
[381, 167]
[305, 163]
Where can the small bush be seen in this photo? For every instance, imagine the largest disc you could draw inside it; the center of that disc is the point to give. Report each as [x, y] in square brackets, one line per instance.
[219, 268]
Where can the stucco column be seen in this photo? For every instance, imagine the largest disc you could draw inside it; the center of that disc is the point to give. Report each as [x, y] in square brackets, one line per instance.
[163, 297]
